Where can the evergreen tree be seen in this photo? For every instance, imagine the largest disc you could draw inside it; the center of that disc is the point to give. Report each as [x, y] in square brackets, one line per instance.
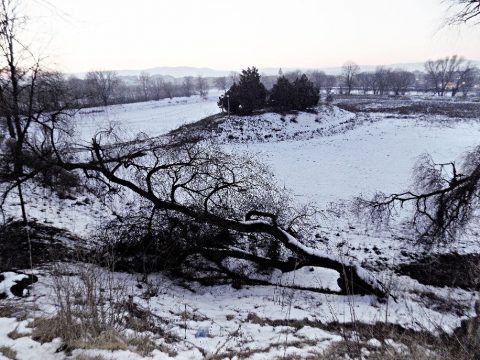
[306, 94]
[300, 95]
[246, 96]
[282, 95]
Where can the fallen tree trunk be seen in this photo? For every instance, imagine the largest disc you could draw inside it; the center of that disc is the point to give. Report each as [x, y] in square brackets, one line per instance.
[352, 280]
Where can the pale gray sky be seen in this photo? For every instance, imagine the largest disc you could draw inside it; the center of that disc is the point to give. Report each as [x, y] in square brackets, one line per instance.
[224, 34]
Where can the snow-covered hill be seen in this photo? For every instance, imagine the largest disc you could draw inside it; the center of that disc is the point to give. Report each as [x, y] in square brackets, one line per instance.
[274, 127]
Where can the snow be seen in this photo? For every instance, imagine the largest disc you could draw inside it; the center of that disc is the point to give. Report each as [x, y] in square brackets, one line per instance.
[374, 342]
[274, 127]
[376, 156]
[80, 215]
[153, 118]
[26, 348]
[311, 277]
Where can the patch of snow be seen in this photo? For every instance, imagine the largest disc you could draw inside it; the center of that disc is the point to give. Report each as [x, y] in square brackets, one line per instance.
[374, 343]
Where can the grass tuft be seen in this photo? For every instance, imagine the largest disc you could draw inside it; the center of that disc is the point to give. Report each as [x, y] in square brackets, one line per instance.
[8, 352]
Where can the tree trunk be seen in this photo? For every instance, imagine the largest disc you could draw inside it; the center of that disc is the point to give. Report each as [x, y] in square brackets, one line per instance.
[22, 204]
[351, 278]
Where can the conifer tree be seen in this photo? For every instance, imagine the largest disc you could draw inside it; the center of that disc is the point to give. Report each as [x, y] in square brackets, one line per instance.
[246, 96]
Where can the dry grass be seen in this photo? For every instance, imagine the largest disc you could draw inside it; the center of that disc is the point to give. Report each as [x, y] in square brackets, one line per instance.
[9, 353]
[88, 357]
[396, 342]
[18, 311]
[108, 340]
[399, 344]
[14, 334]
[248, 353]
[93, 311]
[294, 323]
[7, 310]
[144, 345]
[340, 349]
[47, 329]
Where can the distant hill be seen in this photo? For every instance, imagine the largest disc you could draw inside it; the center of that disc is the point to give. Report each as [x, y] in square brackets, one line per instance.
[182, 71]
[172, 71]
[419, 66]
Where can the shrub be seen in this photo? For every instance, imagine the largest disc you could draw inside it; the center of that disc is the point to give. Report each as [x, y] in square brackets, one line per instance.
[93, 312]
[161, 243]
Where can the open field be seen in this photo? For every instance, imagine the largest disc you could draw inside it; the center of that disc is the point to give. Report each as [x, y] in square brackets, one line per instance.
[153, 118]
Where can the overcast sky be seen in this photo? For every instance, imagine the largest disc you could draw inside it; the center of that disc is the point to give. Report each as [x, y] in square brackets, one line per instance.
[230, 35]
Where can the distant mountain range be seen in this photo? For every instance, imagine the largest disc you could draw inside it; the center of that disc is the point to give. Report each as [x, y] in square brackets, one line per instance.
[173, 71]
[182, 71]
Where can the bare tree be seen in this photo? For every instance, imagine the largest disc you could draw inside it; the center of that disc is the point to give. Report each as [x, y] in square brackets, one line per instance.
[168, 89]
[441, 72]
[30, 97]
[330, 82]
[464, 79]
[471, 80]
[221, 83]
[17, 90]
[318, 79]
[157, 87]
[366, 81]
[146, 84]
[382, 76]
[188, 86]
[232, 78]
[206, 185]
[400, 81]
[464, 11]
[103, 85]
[350, 71]
[181, 180]
[445, 198]
[202, 86]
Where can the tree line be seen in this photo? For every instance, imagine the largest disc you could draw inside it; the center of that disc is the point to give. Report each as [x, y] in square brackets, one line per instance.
[451, 75]
[101, 88]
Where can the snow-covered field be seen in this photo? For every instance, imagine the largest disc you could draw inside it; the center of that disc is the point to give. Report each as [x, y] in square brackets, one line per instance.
[377, 156]
[324, 158]
[152, 118]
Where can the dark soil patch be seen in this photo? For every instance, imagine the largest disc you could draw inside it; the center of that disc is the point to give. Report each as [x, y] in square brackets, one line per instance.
[451, 270]
[451, 109]
[19, 286]
[48, 244]
[207, 124]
